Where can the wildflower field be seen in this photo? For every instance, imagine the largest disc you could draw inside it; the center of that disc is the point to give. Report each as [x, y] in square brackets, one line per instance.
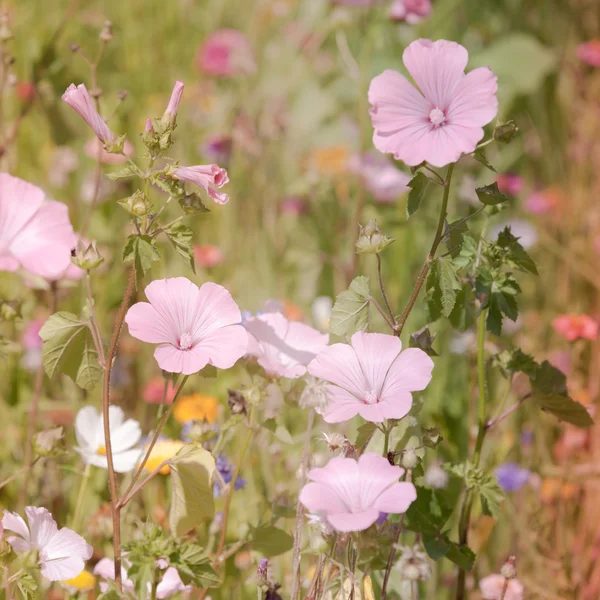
[299, 299]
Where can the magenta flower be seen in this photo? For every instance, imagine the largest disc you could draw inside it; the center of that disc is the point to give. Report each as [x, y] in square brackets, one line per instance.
[193, 326]
[35, 234]
[589, 53]
[372, 378]
[78, 98]
[573, 327]
[170, 113]
[492, 587]
[351, 494]
[442, 121]
[205, 176]
[411, 11]
[226, 53]
[510, 183]
[283, 347]
[380, 176]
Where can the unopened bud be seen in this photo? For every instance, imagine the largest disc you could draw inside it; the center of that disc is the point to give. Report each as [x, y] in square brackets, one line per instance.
[409, 458]
[138, 204]
[86, 256]
[49, 442]
[506, 132]
[509, 568]
[334, 440]
[371, 240]
[106, 35]
[170, 115]
[261, 573]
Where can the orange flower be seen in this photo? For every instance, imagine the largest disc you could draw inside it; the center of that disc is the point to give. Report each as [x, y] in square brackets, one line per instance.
[163, 450]
[573, 327]
[330, 160]
[196, 407]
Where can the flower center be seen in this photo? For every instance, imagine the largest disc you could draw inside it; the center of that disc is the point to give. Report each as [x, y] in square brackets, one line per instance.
[185, 341]
[437, 117]
[371, 397]
[101, 451]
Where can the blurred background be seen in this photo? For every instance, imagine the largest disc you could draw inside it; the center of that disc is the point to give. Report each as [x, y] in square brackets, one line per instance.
[276, 93]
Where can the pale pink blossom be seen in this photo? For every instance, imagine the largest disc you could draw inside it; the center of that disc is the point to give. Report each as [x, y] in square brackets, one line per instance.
[171, 584]
[372, 377]
[61, 552]
[192, 326]
[155, 389]
[441, 121]
[541, 203]
[226, 53]
[205, 176]
[95, 149]
[78, 98]
[491, 588]
[30, 337]
[357, 2]
[170, 114]
[283, 347]
[380, 176]
[573, 327]
[510, 183]
[589, 53]
[411, 11]
[35, 234]
[105, 568]
[350, 494]
[208, 255]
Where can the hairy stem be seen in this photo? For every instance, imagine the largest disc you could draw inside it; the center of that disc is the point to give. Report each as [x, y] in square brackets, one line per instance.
[431, 256]
[383, 294]
[94, 322]
[382, 313]
[390, 562]
[507, 412]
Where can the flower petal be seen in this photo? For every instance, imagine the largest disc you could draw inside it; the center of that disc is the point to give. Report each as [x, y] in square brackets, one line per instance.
[174, 360]
[376, 352]
[86, 426]
[64, 568]
[126, 461]
[11, 521]
[341, 405]
[410, 372]
[474, 103]
[353, 521]
[321, 497]
[224, 346]
[397, 498]
[339, 365]
[126, 436]
[148, 325]
[215, 308]
[41, 525]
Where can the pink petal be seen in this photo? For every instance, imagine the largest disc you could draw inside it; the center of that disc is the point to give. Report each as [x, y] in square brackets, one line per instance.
[410, 372]
[341, 405]
[337, 468]
[174, 360]
[214, 308]
[397, 498]
[41, 524]
[11, 521]
[474, 103]
[390, 407]
[379, 473]
[353, 521]
[148, 325]
[321, 497]
[339, 365]
[170, 584]
[374, 413]
[64, 568]
[224, 346]
[437, 68]
[66, 543]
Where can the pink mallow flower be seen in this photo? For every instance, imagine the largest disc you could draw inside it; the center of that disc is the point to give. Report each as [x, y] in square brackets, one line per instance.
[510, 183]
[573, 327]
[192, 326]
[205, 176]
[155, 389]
[78, 98]
[380, 176]
[441, 121]
[492, 586]
[411, 11]
[208, 255]
[226, 53]
[589, 53]
[350, 494]
[283, 347]
[61, 552]
[35, 234]
[170, 115]
[372, 377]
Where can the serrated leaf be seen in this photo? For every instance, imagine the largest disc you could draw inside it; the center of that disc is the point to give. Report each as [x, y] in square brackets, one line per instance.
[479, 156]
[455, 238]
[193, 565]
[271, 541]
[192, 491]
[68, 348]
[565, 409]
[517, 255]
[140, 250]
[419, 188]
[449, 284]
[350, 312]
[490, 195]
[27, 585]
[130, 170]
[491, 496]
[181, 236]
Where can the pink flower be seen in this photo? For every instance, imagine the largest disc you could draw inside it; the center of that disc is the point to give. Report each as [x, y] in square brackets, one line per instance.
[351, 494]
[105, 568]
[61, 552]
[35, 234]
[573, 327]
[283, 347]
[371, 378]
[193, 326]
[170, 114]
[205, 176]
[356, 2]
[294, 206]
[208, 255]
[154, 390]
[30, 338]
[411, 11]
[171, 584]
[442, 121]
[380, 177]
[510, 183]
[541, 202]
[95, 149]
[491, 588]
[77, 97]
[226, 53]
[589, 53]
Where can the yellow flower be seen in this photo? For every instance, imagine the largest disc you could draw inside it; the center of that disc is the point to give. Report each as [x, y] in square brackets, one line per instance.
[196, 407]
[330, 160]
[163, 450]
[84, 582]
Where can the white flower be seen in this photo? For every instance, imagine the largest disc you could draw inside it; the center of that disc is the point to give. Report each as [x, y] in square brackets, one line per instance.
[61, 552]
[436, 477]
[124, 435]
[413, 564]
[321, 312]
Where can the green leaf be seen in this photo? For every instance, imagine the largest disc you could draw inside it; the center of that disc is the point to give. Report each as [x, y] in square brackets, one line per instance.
[350, 312]
[517, 255]
[479, 156]
[365, 431]
[140, 250]
[193, 565]
[462, 556]
[449, 284]
[130, 170]
[565, 409]
[419, 186]
[491, 496]
[490, 195]
[181, 237]
[27, 585]
[271, 541]
[456, 236]
[68, 348]
[192, 491]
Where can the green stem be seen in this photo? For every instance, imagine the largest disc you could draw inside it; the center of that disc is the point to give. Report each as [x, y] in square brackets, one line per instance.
[386, 440]
[82, 487]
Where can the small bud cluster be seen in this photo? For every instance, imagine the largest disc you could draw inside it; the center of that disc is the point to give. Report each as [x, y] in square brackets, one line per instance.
[371, 240]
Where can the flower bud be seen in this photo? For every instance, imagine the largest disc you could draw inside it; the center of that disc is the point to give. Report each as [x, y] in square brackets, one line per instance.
[170, 115]
[409, 458]
[49, 442]
[138, 204]
[509, 568]
[505, 132]
[86, 257]
[261, 573]
[106, 35]
[413, 564]
[371, 240]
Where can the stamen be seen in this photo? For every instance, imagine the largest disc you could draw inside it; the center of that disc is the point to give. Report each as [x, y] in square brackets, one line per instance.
[371, 397]
[437, 117]
[185, 341]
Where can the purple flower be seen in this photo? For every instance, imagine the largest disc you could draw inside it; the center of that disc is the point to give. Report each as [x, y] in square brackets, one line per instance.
[226, 469]
[511, 477]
